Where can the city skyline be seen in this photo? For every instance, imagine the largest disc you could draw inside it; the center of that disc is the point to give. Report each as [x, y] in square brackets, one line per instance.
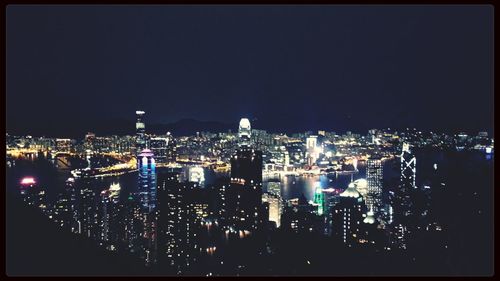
[334, 140]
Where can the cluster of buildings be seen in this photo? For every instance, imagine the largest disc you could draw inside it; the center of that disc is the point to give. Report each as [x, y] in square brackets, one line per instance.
[170, 221]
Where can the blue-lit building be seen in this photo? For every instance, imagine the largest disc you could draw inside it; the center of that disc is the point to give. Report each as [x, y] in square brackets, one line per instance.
[147, 179]
[147, 193]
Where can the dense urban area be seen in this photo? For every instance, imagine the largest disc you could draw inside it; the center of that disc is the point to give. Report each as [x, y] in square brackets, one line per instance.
[251, 202]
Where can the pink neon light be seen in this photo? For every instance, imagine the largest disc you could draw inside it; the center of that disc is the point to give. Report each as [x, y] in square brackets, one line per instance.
[27, 181]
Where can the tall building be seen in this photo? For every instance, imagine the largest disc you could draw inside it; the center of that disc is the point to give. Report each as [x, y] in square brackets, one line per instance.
[140, 129]
[89, 141]
[244, 132]
[407, 182]
[311, 146]
[348, 215]
[243, 198]
[147, 179]
[87, 210]
[171, 221]
[374, 176]
[147, 193]
[275, 207]
[33, 194]
[403, 199]
[408, 167]
[319, 200]
[244, 195]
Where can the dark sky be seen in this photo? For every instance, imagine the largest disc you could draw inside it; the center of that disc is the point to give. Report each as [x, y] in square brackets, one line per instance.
[289, 67]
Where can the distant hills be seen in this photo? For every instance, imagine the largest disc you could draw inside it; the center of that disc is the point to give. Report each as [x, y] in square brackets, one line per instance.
[124, 127]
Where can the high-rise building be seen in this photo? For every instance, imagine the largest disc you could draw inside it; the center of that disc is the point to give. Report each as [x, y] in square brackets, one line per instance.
[374, 176]
[33, 194]
[244, 132]
[275, 207]
[89, 141]
[140, 129]
[147, 193]
[347, 216]
[407, 182]
[171, 221]
[319, 200]
[147, 179]
[244, 195]
[87, 210]
[243, 198]
[311, 146]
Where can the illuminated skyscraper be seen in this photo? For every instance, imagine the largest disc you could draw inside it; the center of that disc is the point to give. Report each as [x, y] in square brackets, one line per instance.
[311, 146]
[407, 182]
[140, 128]
[147, 179]
[243, 197]
[408, 168]
[374, 176]
[347, 216]
[275, 207]
[319, 199]
[147, 193]
[403, 203]
[244, 132]
[171, 221]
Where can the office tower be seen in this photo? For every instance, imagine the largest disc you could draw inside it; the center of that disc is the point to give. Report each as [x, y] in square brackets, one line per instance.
[374, 176]
[319, 199]
[33, 194]
[408, 168]
[71, 194]
[275, 207]
[62, 213]
[331, 198]
[311, 147]
[403, 199]
[407, 184]
[87, 209]
[89, 141]
[244, 132]
[104, 212]
[243, 197]
[140, 128]
[147, 194]
[171, 221]
[133, 223]
[347, 216]
[171, 149]
[147, 179]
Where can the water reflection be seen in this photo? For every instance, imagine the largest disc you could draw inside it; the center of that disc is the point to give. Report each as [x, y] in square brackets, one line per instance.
[294, 186]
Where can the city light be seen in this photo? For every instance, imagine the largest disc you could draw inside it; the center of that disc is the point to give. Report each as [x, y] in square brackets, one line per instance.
[28, 181]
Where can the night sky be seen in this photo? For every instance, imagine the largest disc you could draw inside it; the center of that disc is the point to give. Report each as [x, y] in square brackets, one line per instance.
[290, 68]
